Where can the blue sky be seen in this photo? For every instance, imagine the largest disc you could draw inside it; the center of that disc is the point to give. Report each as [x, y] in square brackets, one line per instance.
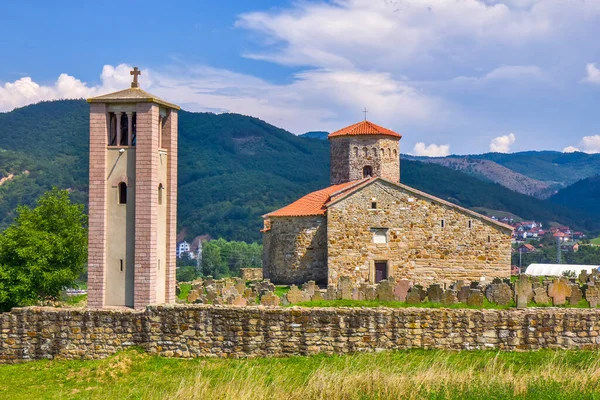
[453, 76]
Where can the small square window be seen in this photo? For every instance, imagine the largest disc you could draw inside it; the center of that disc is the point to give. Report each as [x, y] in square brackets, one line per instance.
[373, 205]
[379, 235]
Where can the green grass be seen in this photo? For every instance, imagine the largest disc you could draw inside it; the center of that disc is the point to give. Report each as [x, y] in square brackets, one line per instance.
[412, 374]
[184, 290]
[595, 241]
[281, 290]
[397, 304]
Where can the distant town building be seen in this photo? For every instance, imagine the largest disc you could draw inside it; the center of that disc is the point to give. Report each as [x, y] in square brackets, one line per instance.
[182, 248]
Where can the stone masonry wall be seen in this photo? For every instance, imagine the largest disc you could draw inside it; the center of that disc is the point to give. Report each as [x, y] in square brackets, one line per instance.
[418, 247]
[350, 154]
[225, 331]
[295, 250]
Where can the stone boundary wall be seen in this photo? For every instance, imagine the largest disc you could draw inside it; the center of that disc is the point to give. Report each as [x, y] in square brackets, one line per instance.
[225, 331]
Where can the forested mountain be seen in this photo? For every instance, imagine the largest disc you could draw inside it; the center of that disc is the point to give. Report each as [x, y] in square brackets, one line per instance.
[583, 196]
[321, 135]
[232, 169]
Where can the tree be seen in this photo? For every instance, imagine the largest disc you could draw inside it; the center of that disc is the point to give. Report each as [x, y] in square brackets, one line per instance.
[43, 251]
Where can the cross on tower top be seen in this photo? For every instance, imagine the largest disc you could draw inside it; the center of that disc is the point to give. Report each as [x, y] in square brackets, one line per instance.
[136, 72]
[365, 111]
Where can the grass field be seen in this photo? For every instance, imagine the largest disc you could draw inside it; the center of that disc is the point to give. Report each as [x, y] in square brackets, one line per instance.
[595, 241]
[414, 374]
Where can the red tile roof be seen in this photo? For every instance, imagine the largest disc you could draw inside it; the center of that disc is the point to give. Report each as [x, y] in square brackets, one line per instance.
[315, 203]
[364, 128]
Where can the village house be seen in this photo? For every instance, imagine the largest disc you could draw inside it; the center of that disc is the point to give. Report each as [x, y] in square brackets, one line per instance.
[526, 248]
[369, 227]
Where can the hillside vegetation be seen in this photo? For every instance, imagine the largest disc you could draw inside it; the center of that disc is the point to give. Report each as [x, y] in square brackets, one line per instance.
[232, 170]
[583, 196]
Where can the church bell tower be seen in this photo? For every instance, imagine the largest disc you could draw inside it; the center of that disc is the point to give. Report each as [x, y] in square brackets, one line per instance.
[364, 150]
[132, 199]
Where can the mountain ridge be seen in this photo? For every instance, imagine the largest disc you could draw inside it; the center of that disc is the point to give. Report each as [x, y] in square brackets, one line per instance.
[232, 170]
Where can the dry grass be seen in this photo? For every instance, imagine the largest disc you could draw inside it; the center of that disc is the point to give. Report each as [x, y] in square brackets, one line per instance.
[400, 375]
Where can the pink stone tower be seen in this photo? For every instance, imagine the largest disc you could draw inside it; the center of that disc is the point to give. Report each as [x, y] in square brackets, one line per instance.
[133, 199]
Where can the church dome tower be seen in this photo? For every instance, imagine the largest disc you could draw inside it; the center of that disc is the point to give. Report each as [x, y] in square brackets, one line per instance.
[362, 150]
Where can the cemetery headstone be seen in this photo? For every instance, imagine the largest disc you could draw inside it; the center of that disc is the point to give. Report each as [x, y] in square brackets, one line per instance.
[540, 296]
[475, 298]
[294, 295]
[385, 291]
[270, 299]
[413, 297]
[434, 293]
[449, 297]
[523, 291]
[559, 290]
[401, 289]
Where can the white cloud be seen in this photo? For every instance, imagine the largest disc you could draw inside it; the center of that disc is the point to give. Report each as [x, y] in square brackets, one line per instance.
[590, 144]
[433, 150]
[593, 73]
[26, 91]
[570, 149]
[313, 100]
[413, 34]
[501, 144]
[587, 144]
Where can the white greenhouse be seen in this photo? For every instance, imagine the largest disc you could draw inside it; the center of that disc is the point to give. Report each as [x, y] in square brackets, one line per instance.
[557, 269]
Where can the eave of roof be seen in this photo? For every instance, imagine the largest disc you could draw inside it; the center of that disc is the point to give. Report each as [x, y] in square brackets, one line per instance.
[132, 95]
[364, 128]
[315, 202]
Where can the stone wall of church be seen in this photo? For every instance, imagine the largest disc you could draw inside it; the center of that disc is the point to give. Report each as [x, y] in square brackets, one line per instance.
[295, 250]
[350, 154]
[420, 247]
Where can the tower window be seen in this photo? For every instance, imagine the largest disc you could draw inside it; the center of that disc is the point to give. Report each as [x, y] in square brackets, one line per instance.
[365, 152]
[160, 193]
[443, 223]
[395, 153]
[382, 153]
[124, 130]
[470, 224]
[489, 239]
[367, 171]
[112, 130]
[356, 151]
[374, 152]
[122, 193]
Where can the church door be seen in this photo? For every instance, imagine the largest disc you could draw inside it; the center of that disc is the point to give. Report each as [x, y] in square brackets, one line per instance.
[381, 272]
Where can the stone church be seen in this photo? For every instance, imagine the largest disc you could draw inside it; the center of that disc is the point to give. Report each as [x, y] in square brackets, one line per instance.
[370, 227]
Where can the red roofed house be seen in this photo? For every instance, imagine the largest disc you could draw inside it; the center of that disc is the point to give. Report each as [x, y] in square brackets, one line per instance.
[370, 227]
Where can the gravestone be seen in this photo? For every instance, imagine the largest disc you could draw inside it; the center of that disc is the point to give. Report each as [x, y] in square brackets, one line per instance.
[592, 295]
[368, 292]
[559, 290]
[294, 295]
[193, 296]
[240, 286]
[385, 291]
[345, 287]
[332, 293]
[356, 294]
[499, 293]
[523, 291]
[209, 281]
[239, 301]
[270, 299]
[317, 296]
[540, 296]
[583, 277]
[250, 296]
[263, 287]
[310, 287]
[413, 297]
[576, 294]
[463, 294]
[177, 291]
[449, 297]
[401, 289]
[435, 293]
[475, 298]
[456, 286]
